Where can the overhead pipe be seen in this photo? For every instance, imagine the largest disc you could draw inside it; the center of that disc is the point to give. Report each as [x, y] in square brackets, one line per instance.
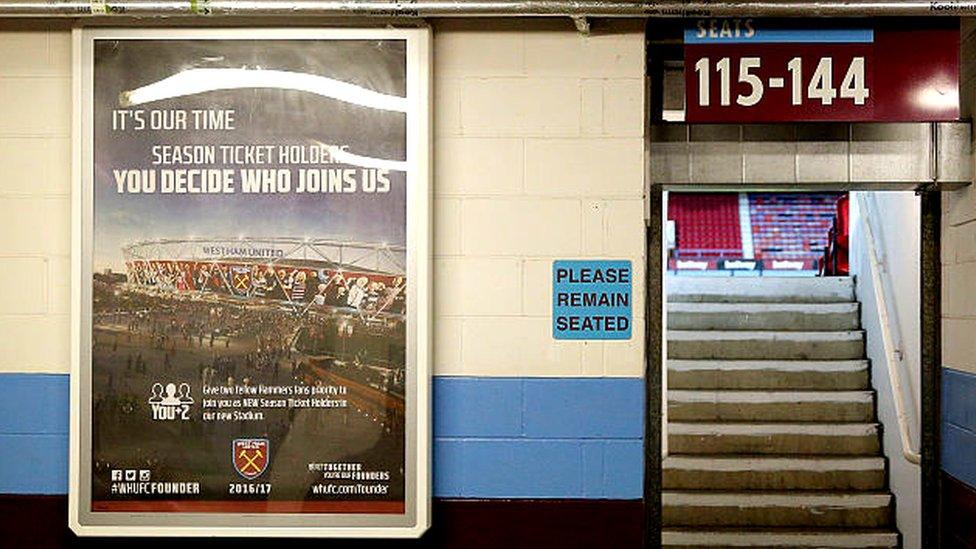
[485, 8]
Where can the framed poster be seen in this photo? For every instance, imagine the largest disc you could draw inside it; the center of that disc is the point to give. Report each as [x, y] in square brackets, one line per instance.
[251, 283]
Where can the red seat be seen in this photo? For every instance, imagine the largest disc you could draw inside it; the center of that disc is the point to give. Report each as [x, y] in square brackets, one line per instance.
[706, 224]
[791, 226]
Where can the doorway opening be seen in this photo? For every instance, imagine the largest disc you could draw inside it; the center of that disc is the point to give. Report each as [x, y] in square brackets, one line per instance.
[794, 390]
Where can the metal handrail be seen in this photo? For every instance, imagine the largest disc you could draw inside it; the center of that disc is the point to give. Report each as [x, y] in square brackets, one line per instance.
[894, 374]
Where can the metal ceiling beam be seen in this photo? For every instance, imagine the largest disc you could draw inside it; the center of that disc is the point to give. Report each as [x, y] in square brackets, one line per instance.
[485, 8]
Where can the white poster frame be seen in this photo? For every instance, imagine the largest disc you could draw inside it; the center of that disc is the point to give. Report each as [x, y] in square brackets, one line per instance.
[416, 519]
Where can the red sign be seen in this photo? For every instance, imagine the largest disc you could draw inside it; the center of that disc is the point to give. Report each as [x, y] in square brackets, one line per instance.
[748, 71]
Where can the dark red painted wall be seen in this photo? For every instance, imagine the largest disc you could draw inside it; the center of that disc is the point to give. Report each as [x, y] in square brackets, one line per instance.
[41, 522]
[958, 514]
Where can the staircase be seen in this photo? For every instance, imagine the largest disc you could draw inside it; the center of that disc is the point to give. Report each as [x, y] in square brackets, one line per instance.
[772, 433]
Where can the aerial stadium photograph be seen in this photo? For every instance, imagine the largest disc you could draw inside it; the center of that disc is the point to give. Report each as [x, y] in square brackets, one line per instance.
[248, 349]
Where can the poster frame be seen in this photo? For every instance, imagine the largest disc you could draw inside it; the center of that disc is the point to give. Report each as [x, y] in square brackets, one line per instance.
[416, 519]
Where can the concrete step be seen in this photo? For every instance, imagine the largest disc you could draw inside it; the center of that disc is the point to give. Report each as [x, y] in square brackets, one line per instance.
[778, 539]
[753, 290]
[765, 345]
[777, 509]
[771, 406]
[768, 374]
[731, 473]
[774, 438]
[796, 317]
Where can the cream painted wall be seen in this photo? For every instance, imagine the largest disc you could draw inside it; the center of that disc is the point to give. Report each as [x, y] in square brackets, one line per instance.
[538, 156]
[959, 280]
[35, 170]
[959, 239]
[895, 223]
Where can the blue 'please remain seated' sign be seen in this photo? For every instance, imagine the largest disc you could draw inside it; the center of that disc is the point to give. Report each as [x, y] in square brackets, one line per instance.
[591, 299]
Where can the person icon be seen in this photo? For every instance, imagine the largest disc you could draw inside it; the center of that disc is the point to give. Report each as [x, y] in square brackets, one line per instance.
[184, 394]
[170, 398]
[157, 393]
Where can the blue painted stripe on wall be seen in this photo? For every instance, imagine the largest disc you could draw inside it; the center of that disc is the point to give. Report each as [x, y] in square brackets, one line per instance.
[584, 407]
[34, 403]
[538, 437]
[477, 407]
[538, 468]
[493, 437]
[538, 407]
[959, 398]
[958, 449]
[33, 434]
[33, 464]
[959, 425]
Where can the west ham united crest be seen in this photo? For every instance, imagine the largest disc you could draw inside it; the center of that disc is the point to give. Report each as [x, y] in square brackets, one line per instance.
[250, 456]
[241, 281]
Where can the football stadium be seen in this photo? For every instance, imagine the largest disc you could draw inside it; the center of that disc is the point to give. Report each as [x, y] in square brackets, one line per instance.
[298, 272]
[252, 312]
[755, 234]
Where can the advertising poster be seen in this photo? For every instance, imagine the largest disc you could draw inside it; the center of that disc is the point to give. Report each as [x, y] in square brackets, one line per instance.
[252, 302]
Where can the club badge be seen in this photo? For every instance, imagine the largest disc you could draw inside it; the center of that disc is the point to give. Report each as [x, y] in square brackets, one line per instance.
[250, 456]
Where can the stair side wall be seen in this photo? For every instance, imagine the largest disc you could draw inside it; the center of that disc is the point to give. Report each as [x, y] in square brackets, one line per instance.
[897, 241]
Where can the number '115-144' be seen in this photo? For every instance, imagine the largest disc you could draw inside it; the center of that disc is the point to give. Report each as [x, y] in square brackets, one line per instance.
[820, 86]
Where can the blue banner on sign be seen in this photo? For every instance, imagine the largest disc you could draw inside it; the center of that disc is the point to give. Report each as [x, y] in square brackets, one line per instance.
[592, 299]
[758, 31]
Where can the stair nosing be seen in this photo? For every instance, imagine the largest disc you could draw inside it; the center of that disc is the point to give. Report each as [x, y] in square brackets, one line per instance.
[771, 498]
[749, 537]
[780, 427]
[772, 463]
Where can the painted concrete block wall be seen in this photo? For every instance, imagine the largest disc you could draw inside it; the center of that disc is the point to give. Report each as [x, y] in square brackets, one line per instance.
[959, 300]
[958, 279]
[35, 186]
[897, 241]
[538, 156]
[825, 154]
[958, 325]
[35, 169]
